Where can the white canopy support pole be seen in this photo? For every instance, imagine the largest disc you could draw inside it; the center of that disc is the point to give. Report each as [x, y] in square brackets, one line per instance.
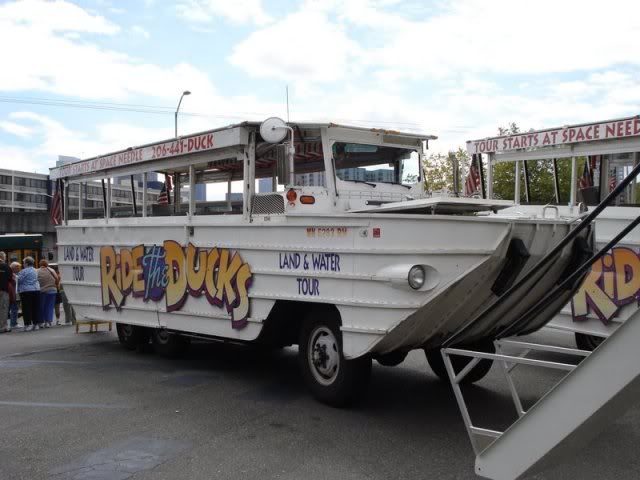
[144, 194]
[516, 197]
[65, 190]
[108, 200]
[574, 181]
[192, 193]
[249, 183]
[636, 159]
[81, 187]
[330, 173]
[490, 160]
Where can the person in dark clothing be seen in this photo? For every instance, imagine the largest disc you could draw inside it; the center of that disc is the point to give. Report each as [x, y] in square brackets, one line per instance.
[6, 280]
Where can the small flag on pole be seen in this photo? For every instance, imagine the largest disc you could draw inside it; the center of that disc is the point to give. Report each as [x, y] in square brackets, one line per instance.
[472, 183]
[586, 180]
[56, 207]
[165, 194]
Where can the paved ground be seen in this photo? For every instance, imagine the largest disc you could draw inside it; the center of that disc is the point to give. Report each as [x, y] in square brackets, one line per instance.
[81, 407]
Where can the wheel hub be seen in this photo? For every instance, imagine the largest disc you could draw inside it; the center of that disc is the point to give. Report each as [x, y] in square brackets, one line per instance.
[324, 355]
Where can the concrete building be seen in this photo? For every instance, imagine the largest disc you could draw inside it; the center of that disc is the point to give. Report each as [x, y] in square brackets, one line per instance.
[24, 191]
[25, 201]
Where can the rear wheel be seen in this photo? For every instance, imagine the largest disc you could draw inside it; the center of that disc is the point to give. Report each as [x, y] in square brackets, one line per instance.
[588, 342]
[169, 344]
[331, 378]
[434, 357]
[132, 336]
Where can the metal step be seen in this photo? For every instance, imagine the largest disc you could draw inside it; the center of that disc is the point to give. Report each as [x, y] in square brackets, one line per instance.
[601, 388]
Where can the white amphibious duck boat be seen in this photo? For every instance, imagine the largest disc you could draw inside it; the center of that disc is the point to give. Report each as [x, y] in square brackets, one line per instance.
[339, 255]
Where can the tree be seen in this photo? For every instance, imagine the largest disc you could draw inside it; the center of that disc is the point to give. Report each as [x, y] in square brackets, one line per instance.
[438, 170]
[541, 181]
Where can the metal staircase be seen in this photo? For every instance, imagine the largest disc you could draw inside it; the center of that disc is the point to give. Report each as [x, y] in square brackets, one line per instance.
[597, 390]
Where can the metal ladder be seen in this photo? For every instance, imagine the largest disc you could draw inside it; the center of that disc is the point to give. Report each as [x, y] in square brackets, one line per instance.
[598, 389]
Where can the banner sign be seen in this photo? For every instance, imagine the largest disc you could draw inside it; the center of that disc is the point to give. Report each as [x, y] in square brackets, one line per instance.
[174, 272]
[629, 127]
[201, 142]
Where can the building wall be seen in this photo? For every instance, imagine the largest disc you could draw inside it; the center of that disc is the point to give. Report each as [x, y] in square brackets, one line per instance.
[31, 192]
[23, 191]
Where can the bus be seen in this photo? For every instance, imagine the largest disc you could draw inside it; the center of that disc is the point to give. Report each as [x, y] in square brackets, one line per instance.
[17, 246]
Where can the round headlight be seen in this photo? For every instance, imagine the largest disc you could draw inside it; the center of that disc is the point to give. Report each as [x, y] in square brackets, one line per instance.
[416, 277]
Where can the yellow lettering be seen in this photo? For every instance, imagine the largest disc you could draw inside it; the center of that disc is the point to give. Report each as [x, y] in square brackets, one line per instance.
[210, 279]
[138, 275]
[627, 267]
[241, 312]
[590, 293]
[176, 291]
[111, 293]
[226, 271]
[126, 270]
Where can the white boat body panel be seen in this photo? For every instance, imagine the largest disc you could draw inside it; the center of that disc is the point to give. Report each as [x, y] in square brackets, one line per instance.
[364, 277]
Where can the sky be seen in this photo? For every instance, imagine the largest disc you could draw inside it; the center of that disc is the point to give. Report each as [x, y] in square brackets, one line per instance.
[90, 77]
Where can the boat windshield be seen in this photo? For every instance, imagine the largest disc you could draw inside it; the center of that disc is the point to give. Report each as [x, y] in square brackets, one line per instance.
[358, 162]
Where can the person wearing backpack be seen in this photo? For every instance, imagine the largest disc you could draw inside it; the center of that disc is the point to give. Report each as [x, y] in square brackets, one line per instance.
[49, 282]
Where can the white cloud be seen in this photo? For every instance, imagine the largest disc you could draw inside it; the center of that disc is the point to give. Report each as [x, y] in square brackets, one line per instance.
[304, 46]
[15, 129]
[142, 32]
[499, 36]
[56, 16]
[237, 11]
[43, 59]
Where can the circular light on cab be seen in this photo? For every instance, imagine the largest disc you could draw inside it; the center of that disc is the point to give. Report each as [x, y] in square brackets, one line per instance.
[416, 277]
[292, 195]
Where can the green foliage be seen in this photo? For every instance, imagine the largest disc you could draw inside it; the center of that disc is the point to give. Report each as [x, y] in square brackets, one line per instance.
[541, 181]
[438, 170]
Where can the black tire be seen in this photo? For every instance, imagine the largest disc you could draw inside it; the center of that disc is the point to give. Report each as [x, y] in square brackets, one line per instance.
[169, 344]
[392, 359]
[588, 342]
[132, 337]
[434, 357]
[331, 378]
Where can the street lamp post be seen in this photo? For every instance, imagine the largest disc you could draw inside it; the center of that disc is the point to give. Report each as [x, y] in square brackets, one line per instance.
[186, 92]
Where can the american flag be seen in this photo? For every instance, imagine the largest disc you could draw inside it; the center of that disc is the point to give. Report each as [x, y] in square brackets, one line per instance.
[612, 182]
[587, 176]
[165, 194]
[472, 183]
[56, 207]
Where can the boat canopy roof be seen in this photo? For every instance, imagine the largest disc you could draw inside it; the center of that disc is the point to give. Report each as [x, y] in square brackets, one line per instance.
[599, 138]
[220, 151]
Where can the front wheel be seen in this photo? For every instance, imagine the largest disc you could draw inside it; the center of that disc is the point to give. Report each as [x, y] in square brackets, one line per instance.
[131, 336]
[331, 378]
[169, 344]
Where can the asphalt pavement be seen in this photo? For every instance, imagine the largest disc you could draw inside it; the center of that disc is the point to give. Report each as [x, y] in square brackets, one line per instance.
[78, 406]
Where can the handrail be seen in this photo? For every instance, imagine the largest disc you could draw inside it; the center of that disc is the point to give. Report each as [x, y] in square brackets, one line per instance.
[586, 221]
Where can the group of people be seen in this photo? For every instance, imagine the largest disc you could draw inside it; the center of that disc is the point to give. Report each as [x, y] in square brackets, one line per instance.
[39, 292]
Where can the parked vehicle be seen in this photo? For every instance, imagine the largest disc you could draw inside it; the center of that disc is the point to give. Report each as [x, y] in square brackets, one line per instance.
[611, 149]
[342, 257]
